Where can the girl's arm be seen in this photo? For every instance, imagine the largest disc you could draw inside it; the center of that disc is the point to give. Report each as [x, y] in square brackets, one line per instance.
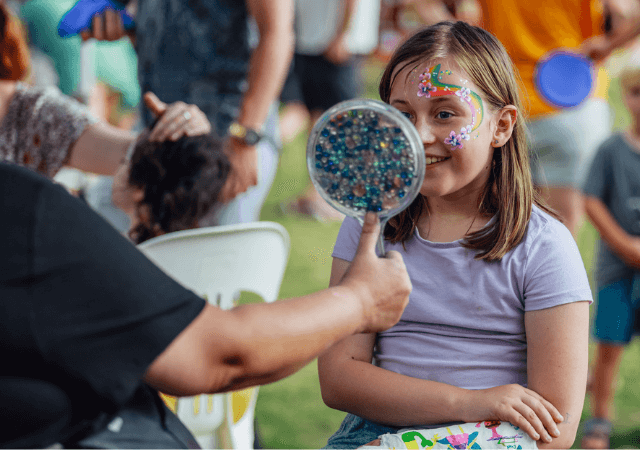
[349, 382]
[557, 359]
[627, 247]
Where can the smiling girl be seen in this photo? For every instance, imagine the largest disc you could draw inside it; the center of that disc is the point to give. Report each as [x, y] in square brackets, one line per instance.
[497, 324]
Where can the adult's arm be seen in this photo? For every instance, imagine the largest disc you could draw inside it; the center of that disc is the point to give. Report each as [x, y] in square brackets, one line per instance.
[101, 146]
[350, 383]
[268, 68]
[626, 27]
[626, 246]
[337, 51]
[557, 362]
[256, 344]
[434, 11]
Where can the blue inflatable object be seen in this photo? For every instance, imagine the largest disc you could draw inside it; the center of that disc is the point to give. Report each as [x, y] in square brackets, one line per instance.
[564, 79]
[79, 17]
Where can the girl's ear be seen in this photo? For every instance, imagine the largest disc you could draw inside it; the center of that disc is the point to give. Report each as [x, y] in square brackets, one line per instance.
[505, 121]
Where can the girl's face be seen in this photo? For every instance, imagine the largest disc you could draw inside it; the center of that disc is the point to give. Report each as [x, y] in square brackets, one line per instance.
[454, 123]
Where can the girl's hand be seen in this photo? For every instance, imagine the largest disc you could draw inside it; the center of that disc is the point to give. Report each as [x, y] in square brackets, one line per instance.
[517, 405]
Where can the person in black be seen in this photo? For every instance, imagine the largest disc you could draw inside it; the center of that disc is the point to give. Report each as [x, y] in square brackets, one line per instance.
[91, 319]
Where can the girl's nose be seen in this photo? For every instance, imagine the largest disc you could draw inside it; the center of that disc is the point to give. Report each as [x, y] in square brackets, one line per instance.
[426, 132]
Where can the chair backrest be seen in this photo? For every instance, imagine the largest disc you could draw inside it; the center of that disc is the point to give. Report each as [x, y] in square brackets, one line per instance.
[219, 262]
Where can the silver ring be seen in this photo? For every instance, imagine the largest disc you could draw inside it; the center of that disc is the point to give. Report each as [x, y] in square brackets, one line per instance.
[186, 115]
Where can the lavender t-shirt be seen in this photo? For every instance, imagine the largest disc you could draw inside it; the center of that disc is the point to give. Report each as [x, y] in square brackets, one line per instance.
[464, 324]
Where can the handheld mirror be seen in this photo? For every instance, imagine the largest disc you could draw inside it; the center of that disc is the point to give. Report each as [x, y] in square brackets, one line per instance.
[364, 155]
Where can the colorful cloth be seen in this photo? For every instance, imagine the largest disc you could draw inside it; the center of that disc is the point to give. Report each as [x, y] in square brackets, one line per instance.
[481, 435]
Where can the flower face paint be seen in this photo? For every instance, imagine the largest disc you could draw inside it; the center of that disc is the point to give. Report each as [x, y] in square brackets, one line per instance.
[431, 86]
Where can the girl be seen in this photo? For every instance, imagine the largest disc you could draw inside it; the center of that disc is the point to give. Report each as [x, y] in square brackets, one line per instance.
[168, 186]
[496, 327]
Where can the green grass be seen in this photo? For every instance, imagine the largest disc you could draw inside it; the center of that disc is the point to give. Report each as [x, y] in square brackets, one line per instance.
[290, 413]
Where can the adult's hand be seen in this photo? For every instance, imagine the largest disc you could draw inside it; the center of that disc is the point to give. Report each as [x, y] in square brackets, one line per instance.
[337, 51]
[107, 26]
[175, 120]
[596, 47]
[631, 253]
[382, 284]
[514, 404]
[244, 169]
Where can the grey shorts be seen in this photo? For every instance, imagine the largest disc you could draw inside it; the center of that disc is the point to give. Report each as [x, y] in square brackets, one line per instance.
[563, 145]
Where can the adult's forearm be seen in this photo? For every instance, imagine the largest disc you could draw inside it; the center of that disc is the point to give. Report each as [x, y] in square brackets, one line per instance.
[603, 221]
[268, 66]
[100, 149]
[291, 333]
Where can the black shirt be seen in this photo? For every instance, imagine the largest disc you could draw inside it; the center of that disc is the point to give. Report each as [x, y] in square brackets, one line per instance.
[81, 306]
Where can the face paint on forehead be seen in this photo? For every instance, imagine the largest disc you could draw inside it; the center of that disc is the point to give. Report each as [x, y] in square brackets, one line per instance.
[431, 86]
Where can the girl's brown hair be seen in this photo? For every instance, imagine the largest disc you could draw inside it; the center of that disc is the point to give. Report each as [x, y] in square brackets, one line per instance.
[509, 193]
[13, 46]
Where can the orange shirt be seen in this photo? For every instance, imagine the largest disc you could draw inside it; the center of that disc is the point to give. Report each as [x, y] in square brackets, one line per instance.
[529, 29]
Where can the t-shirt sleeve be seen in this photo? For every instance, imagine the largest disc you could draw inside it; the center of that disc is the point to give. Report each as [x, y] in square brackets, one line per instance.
[596, 182]
[348, 239]
[554, 274]
[101, 311]
[49, 125]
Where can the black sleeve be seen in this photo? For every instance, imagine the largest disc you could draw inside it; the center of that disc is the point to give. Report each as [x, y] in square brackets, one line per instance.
[100, 310]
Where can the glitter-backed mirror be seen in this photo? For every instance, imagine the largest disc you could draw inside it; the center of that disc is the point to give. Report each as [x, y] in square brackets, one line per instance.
[364, 155]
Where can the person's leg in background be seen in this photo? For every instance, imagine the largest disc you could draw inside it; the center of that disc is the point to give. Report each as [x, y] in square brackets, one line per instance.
[294, 115]
[323, 85]
[562, 146]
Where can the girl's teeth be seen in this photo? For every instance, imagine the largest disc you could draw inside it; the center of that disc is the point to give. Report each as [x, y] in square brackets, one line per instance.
[430, 160]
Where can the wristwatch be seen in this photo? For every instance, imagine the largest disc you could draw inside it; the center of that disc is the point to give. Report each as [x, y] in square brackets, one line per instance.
[247, 135]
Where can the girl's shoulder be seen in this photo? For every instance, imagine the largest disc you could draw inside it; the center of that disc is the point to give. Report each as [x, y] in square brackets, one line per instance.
[542, 225]
[545, 231]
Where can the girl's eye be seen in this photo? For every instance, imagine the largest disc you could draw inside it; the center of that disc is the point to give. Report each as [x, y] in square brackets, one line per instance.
[406, 114]
[444, 115]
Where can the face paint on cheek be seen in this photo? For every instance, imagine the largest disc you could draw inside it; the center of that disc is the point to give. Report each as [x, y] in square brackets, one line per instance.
[431, 86]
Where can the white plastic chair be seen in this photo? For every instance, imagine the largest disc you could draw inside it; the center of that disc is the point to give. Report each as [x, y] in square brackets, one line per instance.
[218, 263]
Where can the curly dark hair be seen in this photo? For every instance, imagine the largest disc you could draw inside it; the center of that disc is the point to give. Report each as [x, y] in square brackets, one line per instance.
[182, 181]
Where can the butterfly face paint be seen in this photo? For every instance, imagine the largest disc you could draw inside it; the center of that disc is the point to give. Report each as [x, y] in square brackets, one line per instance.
[431, 86]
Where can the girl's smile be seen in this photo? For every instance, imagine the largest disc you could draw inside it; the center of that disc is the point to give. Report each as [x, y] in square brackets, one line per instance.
[432, 160]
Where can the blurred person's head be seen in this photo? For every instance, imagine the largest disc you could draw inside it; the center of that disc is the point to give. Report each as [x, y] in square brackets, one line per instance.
[13, 46]
[458, 58]
[630, 82]
[169, 186]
